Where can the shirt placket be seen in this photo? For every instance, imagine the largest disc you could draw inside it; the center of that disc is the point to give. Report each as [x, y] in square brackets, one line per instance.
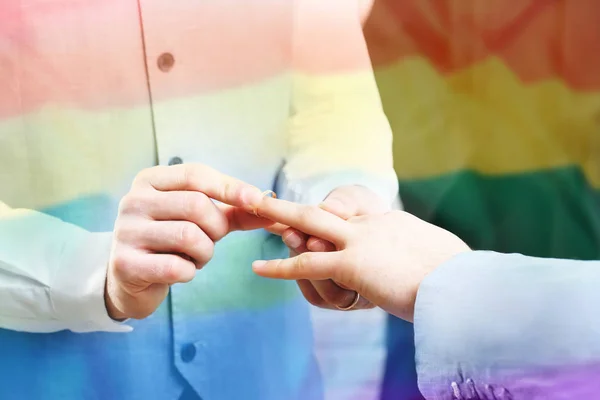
[161, 51]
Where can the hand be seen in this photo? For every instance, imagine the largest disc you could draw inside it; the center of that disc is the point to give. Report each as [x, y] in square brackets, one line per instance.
[345, 202]
[382, 257]
[166, 229]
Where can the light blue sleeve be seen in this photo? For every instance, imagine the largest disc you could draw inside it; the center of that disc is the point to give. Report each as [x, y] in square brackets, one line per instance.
[506, 326]
[313, 190]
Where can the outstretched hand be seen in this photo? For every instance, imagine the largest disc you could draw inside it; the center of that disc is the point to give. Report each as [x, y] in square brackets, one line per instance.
[383, 257]
[345, 202]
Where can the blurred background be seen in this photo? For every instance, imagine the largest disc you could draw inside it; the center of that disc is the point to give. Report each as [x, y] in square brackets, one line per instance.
[495, 109]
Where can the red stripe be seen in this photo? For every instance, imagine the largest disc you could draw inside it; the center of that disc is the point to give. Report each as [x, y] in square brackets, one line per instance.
[537, 39]
[89, 54]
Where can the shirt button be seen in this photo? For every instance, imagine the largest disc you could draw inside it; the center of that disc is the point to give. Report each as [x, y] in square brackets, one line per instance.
[175, 161]
[165, 62]
[188, 353]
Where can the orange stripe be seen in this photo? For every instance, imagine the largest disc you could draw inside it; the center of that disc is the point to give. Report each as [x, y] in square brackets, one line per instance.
[537, 39]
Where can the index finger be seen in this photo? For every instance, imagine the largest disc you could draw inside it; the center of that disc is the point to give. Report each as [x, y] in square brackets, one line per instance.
[201, 178]
[313, 266]
[309, 219]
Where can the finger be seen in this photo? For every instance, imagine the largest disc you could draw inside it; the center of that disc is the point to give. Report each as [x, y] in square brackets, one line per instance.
[308, 219]
[276, 228]
[330, 292]
[363, 304]
[175, 237]
[319, 245]
[340, 206]
[189, 206]
[334, 294]
[353, 200]
[200, 178]
[313, 266]
[311, 295]
[295, 240]
[155, 268]
[238, 219]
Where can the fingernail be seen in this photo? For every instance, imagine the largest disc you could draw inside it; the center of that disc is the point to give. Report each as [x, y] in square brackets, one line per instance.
[317, 245]
[258, 264]
[292, 240]
[251, 196]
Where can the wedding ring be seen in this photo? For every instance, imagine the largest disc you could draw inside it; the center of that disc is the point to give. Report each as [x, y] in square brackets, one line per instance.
[351, 306]
[269, 193]
[266, 193]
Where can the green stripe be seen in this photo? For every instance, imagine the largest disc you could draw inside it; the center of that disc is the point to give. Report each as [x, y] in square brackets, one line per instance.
[553, 213]
[228, 283]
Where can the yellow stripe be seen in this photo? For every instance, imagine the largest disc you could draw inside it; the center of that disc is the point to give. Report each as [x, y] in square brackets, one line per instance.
[58, 154]
[485, 119]
[338, 125]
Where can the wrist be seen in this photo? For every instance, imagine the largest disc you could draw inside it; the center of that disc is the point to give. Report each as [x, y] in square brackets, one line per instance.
[113, 312]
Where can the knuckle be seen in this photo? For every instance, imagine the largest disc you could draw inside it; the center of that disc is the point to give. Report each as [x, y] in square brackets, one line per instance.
[120, 232]
[303, 262]
[206, 249]
[228, 188]
[346, 272]
[143, 176]
[128, 232]
[170, 270]
[132, 204]
[231, 189]
[350, 258]
[307, 214]
[316, 300]
[193, 205]
[220, 226]
[189, 235]
[192, 174]
[121, 266]
[188, 173]
[338, 296]
[188, 272]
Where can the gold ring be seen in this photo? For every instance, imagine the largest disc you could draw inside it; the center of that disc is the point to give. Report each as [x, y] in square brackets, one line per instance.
[266, 193]
[270, 193]
[351, 306]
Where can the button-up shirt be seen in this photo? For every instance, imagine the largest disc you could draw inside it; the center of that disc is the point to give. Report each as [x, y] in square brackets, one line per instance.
[276, 93]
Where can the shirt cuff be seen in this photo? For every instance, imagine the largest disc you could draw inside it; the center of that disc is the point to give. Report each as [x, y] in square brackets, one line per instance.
[78, 292]
[314, 190]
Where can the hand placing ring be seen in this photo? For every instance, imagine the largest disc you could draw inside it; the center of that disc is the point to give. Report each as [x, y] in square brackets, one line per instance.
[352, 305]
[269, 193]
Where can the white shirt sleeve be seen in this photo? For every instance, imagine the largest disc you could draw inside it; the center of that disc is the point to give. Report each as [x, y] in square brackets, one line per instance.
[52, 275]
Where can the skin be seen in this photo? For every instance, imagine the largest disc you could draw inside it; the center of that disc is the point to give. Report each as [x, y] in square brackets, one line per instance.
[345, 202]
[384, 257]
[166, 229]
